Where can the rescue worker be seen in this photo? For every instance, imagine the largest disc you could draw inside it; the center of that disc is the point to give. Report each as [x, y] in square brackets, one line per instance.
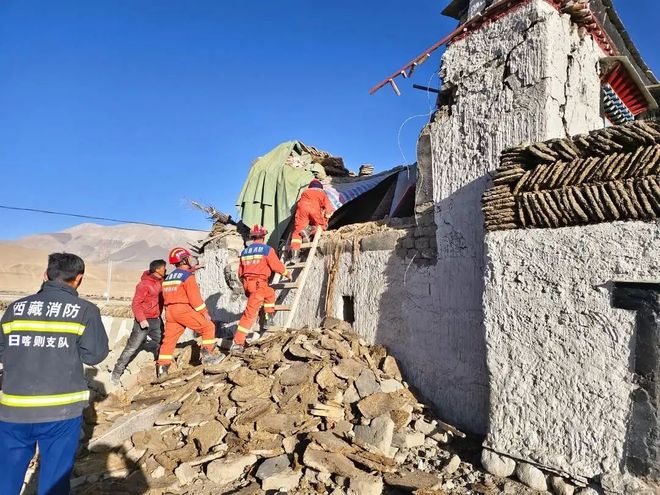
[147, 306]
[313, 208]
[184, 308]
[45, 340]
[257, 263]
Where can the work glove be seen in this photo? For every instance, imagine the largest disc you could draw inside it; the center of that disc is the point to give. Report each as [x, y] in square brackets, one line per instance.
[144, 324]
[286, 275]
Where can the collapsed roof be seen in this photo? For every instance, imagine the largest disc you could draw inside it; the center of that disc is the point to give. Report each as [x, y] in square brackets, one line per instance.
[276, 180]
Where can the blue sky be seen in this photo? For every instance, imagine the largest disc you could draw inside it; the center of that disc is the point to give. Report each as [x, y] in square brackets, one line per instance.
[127, 108]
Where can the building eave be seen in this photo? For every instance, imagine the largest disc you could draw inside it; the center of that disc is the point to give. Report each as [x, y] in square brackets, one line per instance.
[613, 25]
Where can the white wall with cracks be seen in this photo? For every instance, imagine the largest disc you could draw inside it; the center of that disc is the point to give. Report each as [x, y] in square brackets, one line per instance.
[559, 355]
[526, 77]
[218, 281]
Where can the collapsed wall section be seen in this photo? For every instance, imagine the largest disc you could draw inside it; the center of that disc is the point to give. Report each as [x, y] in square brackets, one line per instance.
[392, 293]
[510, 81]
[386, 281]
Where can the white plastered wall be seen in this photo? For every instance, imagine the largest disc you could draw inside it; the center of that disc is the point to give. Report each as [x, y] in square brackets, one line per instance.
[559, 354]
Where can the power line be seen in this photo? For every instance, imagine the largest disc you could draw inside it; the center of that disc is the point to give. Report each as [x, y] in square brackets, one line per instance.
[91, 217]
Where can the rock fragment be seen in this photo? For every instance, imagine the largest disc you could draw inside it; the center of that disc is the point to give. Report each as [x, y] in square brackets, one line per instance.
[366, 383]
[531, 476]
[365, 485]
[231, 468]
[378, 434]
[185, 473]
[560, 486]
[329, 462]
[302, 411]
[276, 474]
[412, 480]
[496, 464]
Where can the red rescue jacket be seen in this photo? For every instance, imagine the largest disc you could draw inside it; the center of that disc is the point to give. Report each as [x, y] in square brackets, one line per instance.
[148, 298]
[259, 261]
[180, 287]
[315, 199]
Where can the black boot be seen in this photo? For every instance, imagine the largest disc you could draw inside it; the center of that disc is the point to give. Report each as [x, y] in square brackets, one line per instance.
[236, 348]
[211, 357]
[295, 256]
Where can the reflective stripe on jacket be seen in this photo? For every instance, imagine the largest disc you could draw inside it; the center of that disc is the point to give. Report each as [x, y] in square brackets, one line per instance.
[45, 340]
[259, 261]
[180, 287]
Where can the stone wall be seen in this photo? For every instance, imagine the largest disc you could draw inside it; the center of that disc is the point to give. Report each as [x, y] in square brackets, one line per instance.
[560, 356]
[219, 283]
[117, 329]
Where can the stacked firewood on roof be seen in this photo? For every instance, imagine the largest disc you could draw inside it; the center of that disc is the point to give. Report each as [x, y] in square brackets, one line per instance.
[607, 175]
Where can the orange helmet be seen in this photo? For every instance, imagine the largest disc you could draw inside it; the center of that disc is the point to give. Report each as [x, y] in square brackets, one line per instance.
[178, 254]
[258, 232]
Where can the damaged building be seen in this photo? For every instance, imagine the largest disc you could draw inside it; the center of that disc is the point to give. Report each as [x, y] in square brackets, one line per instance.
[513, 270]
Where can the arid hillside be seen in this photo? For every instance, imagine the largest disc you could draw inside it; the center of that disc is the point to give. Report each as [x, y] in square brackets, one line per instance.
[130, 248]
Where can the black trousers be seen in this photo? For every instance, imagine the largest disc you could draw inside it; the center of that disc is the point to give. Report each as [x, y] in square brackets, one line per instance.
[135, 341]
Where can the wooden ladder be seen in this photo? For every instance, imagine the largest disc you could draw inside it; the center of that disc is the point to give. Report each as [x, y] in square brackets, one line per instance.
[297, 282]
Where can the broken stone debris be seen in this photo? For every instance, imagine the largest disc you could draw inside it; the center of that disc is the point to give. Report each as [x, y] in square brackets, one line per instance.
[306, 411]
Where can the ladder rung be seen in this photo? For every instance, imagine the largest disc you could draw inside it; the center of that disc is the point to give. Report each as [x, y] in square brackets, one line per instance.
[282, 308]
[296, 265]
[306, 245]
[285, 285]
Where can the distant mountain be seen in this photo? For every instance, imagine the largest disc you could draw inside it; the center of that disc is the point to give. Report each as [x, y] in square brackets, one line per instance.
[128, 244]
[130, 247]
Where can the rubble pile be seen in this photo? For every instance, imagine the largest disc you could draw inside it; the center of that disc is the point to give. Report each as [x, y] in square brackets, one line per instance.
[350, 236]
[306, 411]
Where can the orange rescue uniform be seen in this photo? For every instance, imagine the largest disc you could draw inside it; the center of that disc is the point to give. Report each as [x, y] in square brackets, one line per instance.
[184, 307]
[312, 209]
[257, 263]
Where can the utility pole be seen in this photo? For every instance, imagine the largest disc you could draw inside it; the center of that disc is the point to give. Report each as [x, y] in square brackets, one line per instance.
[108, 285]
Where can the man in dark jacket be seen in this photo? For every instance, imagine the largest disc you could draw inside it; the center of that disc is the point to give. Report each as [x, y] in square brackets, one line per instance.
[147, 307]
[44, 342]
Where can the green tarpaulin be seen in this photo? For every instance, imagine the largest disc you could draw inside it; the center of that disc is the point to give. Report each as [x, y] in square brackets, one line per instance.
[272, 188]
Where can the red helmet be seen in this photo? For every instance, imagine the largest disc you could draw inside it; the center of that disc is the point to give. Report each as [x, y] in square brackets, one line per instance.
[178, 254]
[258, 232]
[316, 184]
